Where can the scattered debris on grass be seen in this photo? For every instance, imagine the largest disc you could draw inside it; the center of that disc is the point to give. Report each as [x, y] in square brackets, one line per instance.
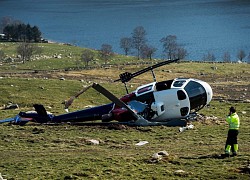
[209, 119]
[10, 106]
[190, 126]
[141, 143]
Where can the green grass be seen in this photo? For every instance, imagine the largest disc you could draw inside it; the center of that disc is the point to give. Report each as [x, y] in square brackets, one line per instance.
[36, 151]
[51, 92]
[61, 152]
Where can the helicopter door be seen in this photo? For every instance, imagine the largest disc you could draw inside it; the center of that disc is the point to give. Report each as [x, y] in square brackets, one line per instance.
[175, 101]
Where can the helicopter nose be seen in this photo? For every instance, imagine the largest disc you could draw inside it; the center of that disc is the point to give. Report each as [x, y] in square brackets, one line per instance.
[209, 91]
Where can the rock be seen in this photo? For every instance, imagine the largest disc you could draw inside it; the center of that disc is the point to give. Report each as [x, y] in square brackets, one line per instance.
[116, 127]
[163, 153]
[179, 171]
[9, 60]
[214, 68]
[93, 141]
[37, 131]
[156, 157]
[1, 177]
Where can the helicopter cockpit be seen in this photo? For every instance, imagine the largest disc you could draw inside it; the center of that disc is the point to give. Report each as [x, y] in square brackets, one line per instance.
[198, 92]
[172, 97]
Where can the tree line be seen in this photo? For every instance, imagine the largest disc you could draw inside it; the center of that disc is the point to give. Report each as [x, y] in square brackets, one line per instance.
[15, 30]
[226, 57]
[138, 41]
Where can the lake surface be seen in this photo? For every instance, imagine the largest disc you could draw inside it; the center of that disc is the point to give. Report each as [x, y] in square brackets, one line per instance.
[202, 26]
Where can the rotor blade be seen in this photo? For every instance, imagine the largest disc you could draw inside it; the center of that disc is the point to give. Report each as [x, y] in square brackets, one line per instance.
[113, 98]
[72, 98]
[7, 120]
[125, 77]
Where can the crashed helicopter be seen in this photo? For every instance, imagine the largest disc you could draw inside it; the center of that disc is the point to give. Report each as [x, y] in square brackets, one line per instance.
[171, 103]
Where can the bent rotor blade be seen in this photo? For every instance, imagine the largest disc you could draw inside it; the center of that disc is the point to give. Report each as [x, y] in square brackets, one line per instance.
[125, 77]
[72, 98]
[113, 98]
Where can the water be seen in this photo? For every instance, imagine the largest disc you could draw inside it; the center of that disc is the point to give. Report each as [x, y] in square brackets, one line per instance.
[202, 26]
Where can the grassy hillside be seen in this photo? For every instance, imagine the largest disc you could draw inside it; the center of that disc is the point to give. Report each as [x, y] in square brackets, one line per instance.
[54, 56]
[64, 151]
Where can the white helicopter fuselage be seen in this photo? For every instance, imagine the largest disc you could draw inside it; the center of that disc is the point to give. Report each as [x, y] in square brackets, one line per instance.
[175, 99]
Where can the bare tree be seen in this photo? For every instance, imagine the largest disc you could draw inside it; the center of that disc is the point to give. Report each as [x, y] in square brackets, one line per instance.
[210, 57]
[226, 57]
[78, 63]
[181, 53]
[2, 55]
[26, 50]
[106, 52]
[147, 51]
[241, 55]
[248, 59]
[87, 56]
[126, 44]
[139, 39]
[170, 46]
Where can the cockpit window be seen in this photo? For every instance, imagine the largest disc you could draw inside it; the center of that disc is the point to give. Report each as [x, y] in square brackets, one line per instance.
[164, 85]
[181, 95]
[178, 83]
[196, 93]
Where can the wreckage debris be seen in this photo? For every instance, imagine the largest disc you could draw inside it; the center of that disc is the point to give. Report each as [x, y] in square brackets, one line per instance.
[141, 143]
[190, 126]
[11, 106]
[209, 119]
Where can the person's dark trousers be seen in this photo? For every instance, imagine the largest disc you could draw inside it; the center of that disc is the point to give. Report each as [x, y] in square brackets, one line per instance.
[232, 143]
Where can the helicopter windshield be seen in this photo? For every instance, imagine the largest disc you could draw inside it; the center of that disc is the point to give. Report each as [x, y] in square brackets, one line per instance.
[196, 93]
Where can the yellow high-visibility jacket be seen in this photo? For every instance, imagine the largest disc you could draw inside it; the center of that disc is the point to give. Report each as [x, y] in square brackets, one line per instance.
[233, 121]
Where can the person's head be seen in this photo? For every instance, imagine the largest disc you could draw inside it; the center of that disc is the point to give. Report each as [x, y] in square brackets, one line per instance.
[232, 109]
